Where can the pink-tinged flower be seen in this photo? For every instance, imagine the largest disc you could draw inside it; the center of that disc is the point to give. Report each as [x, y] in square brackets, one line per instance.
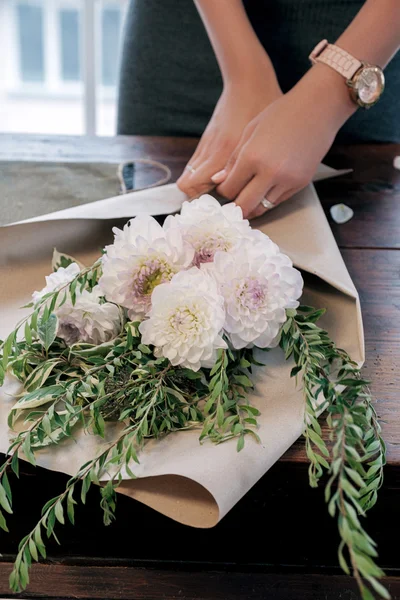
[142, 257]
[88, 320]
[185, 320]
[209, 227]
[258, 284]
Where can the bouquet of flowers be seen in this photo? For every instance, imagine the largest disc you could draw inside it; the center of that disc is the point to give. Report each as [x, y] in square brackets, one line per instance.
[158, 336]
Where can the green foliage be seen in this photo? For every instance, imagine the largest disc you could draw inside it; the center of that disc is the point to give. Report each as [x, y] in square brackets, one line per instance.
[86, 386]
[60, 259]
[227, 411]
[332, 383]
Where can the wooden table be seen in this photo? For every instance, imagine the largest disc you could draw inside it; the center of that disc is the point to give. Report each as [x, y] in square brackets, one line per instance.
[266, 547]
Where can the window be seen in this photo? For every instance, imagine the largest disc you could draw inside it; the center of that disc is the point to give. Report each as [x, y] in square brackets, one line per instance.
[30, 42]
[70, 45]
[44, 87]
[110, 33]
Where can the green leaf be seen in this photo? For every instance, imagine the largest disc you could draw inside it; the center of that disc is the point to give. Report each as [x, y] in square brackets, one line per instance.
[24, 575]
[220, 415]
[7, 487]
[367, 566]
[295, 371]
[379, 588]
[33, 550]
[240, 443]
[28, 333]
[70, 506]
[342, 560]
[355, 476]
[86, 483]
[26, 448]
[39, 542]
[216, 390]
[366, 594]
[349, 489]
[59, 512]
[39, 376]
[144, 349]
[47, 330]
[245, 364]
[34, 319]
[243, 380]
[4, 500]
[63, 260]
[3, 524]
[317, 440]
[7, 349]
[15, 464]
[39, 397]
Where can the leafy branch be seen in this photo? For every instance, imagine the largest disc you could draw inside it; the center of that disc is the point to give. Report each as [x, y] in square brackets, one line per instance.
[36, 324]
[332, 382]
[119, 454]
[227, 412]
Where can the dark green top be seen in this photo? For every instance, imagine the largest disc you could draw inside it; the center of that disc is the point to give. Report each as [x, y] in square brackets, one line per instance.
[170, 80]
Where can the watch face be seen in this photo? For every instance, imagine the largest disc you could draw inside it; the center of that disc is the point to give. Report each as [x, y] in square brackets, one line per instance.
[369, 85]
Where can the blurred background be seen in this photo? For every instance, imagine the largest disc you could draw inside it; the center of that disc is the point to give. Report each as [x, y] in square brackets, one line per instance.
[59, 62]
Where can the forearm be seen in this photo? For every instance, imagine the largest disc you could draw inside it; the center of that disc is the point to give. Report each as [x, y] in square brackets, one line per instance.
[373, 36]
[239, 53]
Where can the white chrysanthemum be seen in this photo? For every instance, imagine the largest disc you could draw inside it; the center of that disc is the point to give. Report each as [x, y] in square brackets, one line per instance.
[55, 281]
[185, 320]
[87, 320]
[258, 283]
[143, 256]
[209, 227]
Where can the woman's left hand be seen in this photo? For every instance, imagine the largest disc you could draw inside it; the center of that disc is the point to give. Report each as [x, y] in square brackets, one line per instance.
[279, 152]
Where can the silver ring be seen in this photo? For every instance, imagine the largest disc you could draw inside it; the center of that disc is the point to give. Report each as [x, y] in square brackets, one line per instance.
[267, 204]
[190, 168]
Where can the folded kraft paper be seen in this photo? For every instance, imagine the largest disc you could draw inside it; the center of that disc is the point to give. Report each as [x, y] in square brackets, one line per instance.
[191, 483]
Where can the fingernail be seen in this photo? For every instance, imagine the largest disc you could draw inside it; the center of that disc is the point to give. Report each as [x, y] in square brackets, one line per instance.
[219, 177]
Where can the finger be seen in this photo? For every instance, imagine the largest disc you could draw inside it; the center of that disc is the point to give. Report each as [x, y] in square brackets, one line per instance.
[219, 177]
[276, 197]
[239, 174]
[252, 195]
[198, 181]
[192, 165]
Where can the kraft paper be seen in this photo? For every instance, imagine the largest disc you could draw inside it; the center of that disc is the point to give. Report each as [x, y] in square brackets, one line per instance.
[191, 483]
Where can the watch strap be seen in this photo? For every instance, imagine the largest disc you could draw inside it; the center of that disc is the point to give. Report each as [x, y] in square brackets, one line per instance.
[336, 58]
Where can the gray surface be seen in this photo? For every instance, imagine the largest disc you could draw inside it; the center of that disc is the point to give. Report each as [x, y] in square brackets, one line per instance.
[30, 189]
[170, 81]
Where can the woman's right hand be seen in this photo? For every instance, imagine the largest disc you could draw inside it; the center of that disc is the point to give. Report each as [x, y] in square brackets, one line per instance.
[238, 105]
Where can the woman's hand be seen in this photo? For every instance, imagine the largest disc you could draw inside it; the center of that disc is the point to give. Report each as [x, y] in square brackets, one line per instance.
[281, 148]
[237, 106]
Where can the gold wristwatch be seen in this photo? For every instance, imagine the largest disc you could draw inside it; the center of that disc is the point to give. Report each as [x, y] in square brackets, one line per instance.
[366, 82]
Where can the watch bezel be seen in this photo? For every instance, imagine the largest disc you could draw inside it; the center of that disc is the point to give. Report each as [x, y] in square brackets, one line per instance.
[352, 84]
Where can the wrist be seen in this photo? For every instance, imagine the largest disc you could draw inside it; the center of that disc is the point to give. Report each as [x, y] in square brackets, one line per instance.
[328, 95]
[249, 64]
[257, 73]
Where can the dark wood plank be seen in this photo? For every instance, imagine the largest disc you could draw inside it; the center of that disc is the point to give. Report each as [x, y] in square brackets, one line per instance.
[376, 274]
[124, 583]
[372, 190]
[269, 527]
